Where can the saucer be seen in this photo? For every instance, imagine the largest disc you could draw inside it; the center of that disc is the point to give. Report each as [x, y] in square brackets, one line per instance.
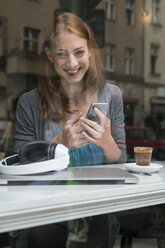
[144, 169]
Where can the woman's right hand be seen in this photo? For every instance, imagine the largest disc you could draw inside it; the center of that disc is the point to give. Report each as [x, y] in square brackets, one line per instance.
[71, 134]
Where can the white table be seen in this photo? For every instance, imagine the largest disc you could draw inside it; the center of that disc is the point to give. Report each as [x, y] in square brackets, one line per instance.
[23, 206]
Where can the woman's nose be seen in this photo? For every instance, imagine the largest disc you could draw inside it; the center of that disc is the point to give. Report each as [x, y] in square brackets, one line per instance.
[72, 61]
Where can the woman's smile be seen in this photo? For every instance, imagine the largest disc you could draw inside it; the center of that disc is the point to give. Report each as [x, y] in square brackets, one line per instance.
[73, 73]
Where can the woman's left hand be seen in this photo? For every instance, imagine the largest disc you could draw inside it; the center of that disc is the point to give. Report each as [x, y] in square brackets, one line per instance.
[101, 136]
[98, 134]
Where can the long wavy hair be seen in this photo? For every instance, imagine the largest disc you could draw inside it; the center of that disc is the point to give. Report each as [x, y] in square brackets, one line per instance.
[54, 100]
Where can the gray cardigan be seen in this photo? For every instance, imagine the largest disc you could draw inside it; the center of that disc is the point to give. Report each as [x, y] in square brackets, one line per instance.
[29, 125]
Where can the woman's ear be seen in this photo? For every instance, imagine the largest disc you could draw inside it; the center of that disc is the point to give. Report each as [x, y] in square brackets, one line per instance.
[49, 55]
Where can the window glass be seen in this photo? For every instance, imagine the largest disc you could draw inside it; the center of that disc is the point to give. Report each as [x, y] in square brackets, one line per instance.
[154, 59]
[31, 40]
[110, 9]
[131, 40]
[129, 61]
[130, 12]
[149, 134]
[129, 113]
[129, 55]
[1, 41]
[156, 11]
[110, 58]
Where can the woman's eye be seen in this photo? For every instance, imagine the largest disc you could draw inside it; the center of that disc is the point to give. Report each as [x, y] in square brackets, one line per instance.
[61, 54]
[80, 52]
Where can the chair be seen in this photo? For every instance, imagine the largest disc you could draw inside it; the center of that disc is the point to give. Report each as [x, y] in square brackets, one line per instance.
[143, 223]
[4, 240]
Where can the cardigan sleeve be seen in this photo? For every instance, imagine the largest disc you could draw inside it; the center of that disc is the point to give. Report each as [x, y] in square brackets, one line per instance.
[116, 115]
[28, 124]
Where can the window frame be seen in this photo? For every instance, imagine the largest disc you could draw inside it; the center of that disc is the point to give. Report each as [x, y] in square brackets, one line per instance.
[110, 9]
[37, 1]
[31, 40]
[156, 11]
[154, 58]
[1, 39]
[3, 23]
[130, 9]
[129, 61]
[110, 59]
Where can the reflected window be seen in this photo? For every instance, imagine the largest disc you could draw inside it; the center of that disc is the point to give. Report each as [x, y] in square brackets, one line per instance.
[110, 58]
[156, 11]
[3, 46]
[129, 61]
[129, 113]
[1, 40]
[154, 58]
[34, 0]
[149, 134]
[130, 12]
[110, 9]
[140, 133]
[31, 40]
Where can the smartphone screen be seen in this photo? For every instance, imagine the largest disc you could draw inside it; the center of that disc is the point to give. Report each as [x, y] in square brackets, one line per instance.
[91, 115]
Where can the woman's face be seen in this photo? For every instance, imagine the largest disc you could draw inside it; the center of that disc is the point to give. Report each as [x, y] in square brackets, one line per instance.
[71, 57]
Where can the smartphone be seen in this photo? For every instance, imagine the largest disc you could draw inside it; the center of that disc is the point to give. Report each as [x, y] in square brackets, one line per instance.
[91, 115]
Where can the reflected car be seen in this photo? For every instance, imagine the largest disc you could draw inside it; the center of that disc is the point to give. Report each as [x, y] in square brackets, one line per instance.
[161, 133]
[144, 136]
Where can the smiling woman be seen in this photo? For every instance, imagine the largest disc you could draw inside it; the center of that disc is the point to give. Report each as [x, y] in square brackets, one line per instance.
[74, 79]
[55, 53]
[71, 79]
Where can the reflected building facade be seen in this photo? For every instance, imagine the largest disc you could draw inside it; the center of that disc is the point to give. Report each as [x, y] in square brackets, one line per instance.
[154, 60]
[123, 54]
[22, 28]
[134, 56]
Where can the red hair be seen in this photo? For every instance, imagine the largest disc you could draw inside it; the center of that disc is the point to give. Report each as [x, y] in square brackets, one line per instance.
[54, 100]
